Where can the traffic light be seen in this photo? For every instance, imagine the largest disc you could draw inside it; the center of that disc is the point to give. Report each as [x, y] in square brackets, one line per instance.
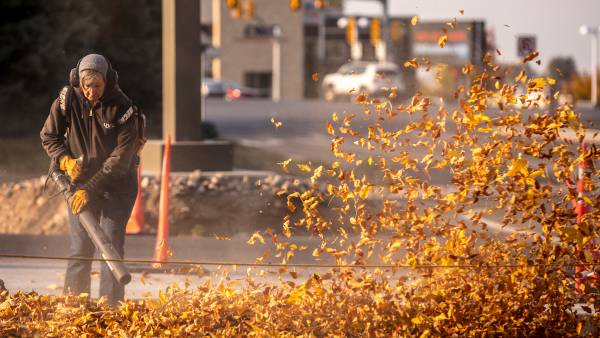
[319, 4]
[351, 31]
[248, 9]
[375, 31]
[236, 10]
[295, 5]
[396, 30]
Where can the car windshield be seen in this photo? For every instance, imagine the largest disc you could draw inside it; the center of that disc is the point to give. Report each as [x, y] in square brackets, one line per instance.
[349, 69]
[387, 73]
[358, 69]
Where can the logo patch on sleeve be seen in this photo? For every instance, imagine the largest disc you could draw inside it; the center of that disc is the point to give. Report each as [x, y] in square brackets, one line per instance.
[126, 116]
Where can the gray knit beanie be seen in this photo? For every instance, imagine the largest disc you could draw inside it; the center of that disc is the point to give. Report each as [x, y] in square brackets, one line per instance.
[95, 62]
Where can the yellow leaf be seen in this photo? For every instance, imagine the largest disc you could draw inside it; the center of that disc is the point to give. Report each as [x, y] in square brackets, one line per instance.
[518, 166]
[440, 317]
[427, 159]
[304, 167]
[396, 245]
[417, 320]
[316, 174]
[285, 164]
[467, 69]
[335, 117]
[256, 236]
[276, 123]
[364, 191]
[411, 63]
[330, 129]
[316, 252]
[296, 296]
[414, 20]
[520, 76]
[442, 40]
[162, 297]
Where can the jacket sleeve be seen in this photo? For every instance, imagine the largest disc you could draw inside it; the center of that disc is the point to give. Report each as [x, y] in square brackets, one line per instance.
[53, 133]
[119, 161]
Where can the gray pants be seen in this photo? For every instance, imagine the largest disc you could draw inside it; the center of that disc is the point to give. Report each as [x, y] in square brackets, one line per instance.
[113, 214]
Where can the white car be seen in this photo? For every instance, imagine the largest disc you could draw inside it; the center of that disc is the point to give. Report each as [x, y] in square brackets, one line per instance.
[369, 77]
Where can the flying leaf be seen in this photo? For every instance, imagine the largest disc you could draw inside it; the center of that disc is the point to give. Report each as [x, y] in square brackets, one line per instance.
[442, 40]
[411, 63]
[256, 236]
[276, 123]
[285, 164]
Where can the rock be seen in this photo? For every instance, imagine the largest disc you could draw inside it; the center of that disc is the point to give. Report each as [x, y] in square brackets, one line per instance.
[194, 178]
[145, 182]
[40, 201]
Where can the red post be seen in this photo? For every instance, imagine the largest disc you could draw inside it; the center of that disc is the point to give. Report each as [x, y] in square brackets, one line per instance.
[584, 275]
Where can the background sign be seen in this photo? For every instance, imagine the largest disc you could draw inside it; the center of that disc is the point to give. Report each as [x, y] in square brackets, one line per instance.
[525, 45]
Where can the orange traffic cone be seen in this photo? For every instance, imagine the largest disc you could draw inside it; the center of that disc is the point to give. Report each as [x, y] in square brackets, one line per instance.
[161, 251]
[135, 225]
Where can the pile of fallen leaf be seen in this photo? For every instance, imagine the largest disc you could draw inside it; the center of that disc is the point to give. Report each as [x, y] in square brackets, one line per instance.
[416, 257]
[345, 303]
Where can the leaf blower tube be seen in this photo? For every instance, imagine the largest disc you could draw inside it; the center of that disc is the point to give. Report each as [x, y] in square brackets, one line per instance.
[92, 227]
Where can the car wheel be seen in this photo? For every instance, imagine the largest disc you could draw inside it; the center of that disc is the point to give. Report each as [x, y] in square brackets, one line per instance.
[329, 94]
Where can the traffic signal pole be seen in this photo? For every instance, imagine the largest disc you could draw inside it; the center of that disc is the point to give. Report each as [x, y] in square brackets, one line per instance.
[276, 94]
[385, 29]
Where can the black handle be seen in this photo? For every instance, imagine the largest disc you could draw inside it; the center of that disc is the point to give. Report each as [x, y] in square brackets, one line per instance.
[92, 227]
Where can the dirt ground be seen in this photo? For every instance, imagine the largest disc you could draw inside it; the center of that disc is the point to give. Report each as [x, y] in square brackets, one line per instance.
[199, 204]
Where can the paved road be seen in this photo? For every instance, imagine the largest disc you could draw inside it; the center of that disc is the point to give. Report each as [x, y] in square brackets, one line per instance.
[303, 134]
[47, 276]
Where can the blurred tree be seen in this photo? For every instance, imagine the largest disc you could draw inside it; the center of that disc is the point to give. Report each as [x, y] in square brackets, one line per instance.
[580, 86]
[34, 58]
[131, 38]
[562, 68]
[42, 40]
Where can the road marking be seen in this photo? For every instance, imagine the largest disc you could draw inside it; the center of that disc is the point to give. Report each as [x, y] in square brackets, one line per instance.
[270, 141]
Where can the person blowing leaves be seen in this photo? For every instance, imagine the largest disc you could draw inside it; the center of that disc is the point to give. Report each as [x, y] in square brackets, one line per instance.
[92, 134]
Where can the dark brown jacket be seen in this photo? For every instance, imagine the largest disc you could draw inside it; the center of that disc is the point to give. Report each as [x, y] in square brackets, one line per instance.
[104, 134]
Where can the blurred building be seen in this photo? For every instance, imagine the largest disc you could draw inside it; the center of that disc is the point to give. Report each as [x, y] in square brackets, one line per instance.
[243, 44]
[315, 42]
[327, 48]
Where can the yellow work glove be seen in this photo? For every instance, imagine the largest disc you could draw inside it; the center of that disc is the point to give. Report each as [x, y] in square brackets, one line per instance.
[78, 201]
[70, 166]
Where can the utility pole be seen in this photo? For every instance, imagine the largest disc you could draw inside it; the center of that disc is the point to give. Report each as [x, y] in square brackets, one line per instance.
[593, 32]
[385, 29]
[276, 88]
[182, 105]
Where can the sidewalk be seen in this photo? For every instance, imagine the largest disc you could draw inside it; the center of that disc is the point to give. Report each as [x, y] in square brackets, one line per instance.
[47, 276]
